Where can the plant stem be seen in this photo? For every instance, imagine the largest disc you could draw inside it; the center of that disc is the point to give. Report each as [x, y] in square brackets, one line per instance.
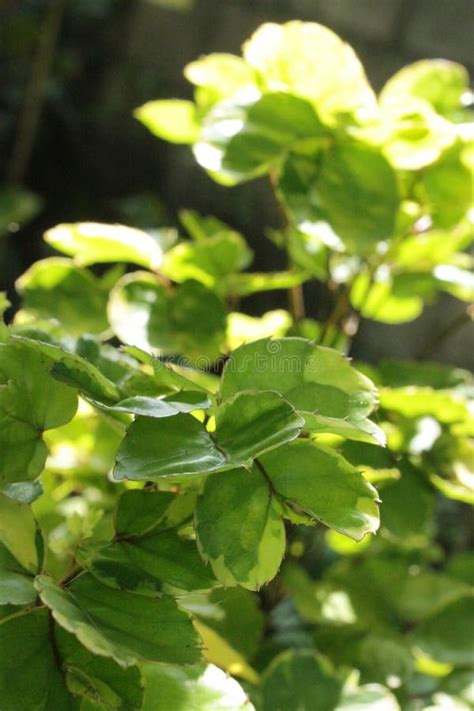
[295, 293]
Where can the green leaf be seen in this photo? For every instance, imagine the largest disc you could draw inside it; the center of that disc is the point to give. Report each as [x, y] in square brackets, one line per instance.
[243, 543]
[31, 401]
[414, 136]
[93, 242]
[242, 328]
[139, 511]
[96, 679]
[208, 260]
[243, 137]
[198, 688]
[359, 195]
[75, 371]
[251, 423]
[56, 288]
[144, 313]
[443, 636]
[17, 207]
[233, 613]
[30, 677]
[312, 378]
[309, 60]
[220, 74]
[147, 565]
[323, 484]
[372, 697]
[391, 297]
[247, 425]
[16, 586]
[412, 402]
[166, 406]
[23, 492]
[121, 625]
[255, 282]
[18, 532]
[445, 189]
[439, 82]
[300, 679]
[171, 119]
[169, 448]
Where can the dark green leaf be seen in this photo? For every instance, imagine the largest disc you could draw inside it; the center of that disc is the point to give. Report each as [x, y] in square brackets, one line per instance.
[30, 677]
[16, 586]
[300, 679]
[97, 679]
[445, 634]
[121, 625]
[157, 562]
[139, 511]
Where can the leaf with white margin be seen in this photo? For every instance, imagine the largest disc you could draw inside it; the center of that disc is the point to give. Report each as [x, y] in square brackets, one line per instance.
[121, 625]
[322, 483]
[244, 542]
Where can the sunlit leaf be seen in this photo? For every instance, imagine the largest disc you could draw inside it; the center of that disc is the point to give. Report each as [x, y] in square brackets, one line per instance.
[92, 242]
[203, 688]
[172, 119]
[244, 543]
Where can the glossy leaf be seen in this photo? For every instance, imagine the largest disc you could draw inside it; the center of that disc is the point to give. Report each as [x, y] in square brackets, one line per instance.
[312, 378]
[244, 543]
[167, 406]
[121, 625]
[322, 483]
[172, 447]
[252, 422]
[93, 242]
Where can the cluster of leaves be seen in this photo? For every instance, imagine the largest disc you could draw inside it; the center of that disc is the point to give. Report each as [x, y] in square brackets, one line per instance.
[202, 500]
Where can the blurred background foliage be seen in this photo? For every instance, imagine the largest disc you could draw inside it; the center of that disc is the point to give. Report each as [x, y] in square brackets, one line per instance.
[74, 72]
